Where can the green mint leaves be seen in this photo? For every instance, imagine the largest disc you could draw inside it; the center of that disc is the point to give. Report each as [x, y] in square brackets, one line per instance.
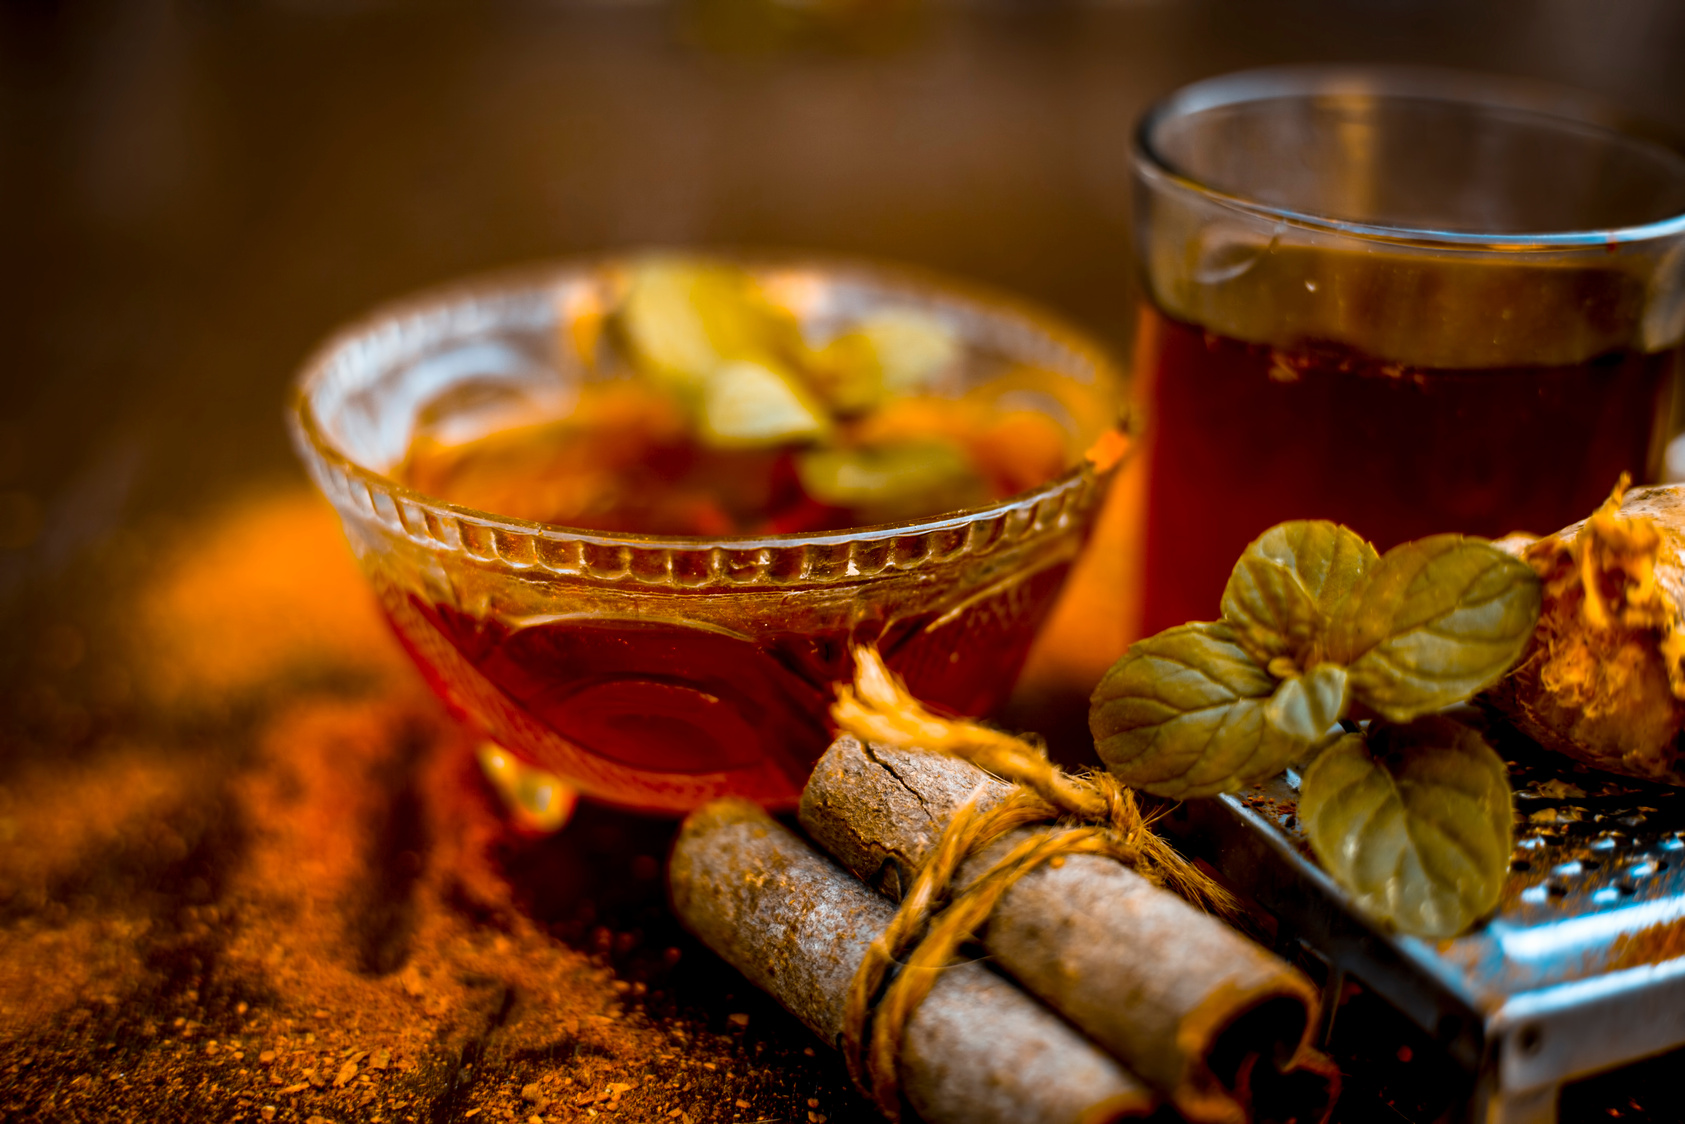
[1288, 584]
[1317, 627]
[1315, 624]
[1414, 820]
[1184, 714]
[1435, 621]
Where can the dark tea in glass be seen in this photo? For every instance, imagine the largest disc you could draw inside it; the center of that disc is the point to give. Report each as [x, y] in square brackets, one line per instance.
[1409, 302]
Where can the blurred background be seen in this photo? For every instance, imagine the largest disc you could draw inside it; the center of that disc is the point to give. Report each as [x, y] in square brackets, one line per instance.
[194, 194]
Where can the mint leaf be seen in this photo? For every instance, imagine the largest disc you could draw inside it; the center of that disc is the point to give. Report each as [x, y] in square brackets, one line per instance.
[1434, 621]
[1305, 706]
[1288, 583]
[1271, 613]
[1414, 821]
[1182, 714]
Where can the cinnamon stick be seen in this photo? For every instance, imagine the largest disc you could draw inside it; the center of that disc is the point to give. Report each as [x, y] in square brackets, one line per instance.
[977, 1050]
[1182, 999]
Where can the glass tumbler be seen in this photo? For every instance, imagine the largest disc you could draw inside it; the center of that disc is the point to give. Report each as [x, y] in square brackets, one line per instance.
[1410, 301]
[656, 673]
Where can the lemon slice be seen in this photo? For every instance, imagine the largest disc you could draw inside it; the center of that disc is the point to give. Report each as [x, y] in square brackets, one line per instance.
[889, 482]
[747, 404]
[889, 353]
[682, 320]
[912, 347]
[847, 371]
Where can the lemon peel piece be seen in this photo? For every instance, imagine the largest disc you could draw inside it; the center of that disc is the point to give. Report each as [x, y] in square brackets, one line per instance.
[682, 320]
[889, 482]
[748, 404]
[888, 353]
[912, 347]
[847, 372]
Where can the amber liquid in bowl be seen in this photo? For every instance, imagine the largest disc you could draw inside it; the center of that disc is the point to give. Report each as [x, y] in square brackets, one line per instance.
[645, 572]
[662, 705]
[1249, 434]
[672, 702]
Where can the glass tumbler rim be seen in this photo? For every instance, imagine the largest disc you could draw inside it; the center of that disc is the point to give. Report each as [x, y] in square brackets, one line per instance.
[1559, 104]
[384, 497]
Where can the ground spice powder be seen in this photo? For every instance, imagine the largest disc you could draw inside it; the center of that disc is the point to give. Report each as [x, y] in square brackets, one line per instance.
[271, 886]
[1650, 945]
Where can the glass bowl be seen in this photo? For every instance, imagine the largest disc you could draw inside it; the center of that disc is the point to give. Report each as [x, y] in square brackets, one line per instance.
[657, 673]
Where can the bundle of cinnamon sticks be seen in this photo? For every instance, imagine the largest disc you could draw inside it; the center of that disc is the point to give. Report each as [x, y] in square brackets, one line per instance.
[1097, 996]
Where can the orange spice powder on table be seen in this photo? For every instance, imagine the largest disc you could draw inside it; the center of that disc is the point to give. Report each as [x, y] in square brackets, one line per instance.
[283, 886]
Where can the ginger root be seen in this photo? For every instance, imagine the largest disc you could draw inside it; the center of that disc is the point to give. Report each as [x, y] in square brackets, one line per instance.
[1604, 677]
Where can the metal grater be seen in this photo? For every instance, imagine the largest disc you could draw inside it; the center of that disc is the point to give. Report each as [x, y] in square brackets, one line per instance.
[1582, 966]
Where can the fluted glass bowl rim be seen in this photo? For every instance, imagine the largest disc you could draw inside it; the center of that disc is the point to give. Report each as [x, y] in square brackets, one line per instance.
[442, 523]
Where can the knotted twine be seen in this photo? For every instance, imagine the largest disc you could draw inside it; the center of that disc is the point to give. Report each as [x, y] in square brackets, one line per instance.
[1086, 814]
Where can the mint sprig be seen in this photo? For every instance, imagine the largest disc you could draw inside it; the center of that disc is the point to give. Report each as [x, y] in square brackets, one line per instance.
[1317, 627]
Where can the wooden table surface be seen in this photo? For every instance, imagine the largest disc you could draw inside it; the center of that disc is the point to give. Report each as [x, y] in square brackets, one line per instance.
[247, 870]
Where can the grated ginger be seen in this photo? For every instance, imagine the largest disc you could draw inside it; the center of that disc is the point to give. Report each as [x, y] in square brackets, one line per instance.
[1604, 678]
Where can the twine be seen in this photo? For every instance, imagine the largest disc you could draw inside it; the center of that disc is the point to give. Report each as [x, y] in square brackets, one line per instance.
[1088, 814]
